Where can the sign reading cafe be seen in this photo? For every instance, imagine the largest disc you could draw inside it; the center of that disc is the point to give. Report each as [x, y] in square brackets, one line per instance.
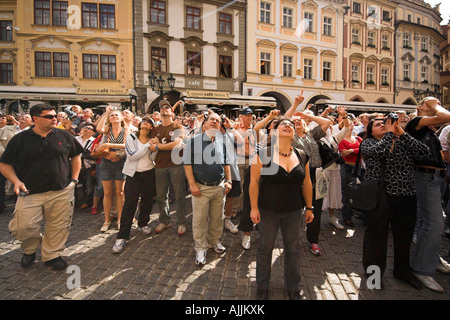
[103, 91]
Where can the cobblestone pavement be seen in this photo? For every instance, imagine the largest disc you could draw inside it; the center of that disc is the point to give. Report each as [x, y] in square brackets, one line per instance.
[162, 267]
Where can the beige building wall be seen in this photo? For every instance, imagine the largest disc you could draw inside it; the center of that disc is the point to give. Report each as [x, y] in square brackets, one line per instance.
[291, 38]
[418, 56]
[369, 58]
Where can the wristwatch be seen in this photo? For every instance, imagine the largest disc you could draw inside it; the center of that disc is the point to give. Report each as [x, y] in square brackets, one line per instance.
[229, 181]
[75, 180]
[309, 208]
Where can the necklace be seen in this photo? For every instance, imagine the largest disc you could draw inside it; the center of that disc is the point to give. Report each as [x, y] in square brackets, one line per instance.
[284, 154]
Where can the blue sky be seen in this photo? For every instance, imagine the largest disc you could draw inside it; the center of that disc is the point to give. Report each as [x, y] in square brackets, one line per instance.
[444, 9]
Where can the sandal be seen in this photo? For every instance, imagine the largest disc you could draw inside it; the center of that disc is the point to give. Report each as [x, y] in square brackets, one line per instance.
[105, 226]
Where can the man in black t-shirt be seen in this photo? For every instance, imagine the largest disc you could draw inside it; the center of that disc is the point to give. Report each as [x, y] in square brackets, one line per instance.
[43, 164]
[427, 176]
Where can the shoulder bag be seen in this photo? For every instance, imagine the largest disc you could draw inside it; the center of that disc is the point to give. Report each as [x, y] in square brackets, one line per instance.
[328, 154]
[101, 154]
[364, 195]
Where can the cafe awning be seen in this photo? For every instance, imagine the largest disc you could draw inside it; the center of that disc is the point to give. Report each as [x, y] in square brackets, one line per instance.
[61, 94]
[228, 99]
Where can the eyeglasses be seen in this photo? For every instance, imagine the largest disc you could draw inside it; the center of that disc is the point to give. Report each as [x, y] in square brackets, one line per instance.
[88, 128]
[286, 123]
[48, 116]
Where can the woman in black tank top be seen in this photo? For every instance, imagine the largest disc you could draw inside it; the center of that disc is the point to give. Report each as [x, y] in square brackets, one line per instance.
[280, 187]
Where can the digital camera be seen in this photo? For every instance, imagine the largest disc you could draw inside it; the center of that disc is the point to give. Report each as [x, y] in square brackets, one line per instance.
[393, 116]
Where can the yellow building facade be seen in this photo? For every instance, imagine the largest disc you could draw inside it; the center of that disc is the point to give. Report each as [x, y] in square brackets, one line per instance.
[369, 50]
[294, 46]
[66, 51]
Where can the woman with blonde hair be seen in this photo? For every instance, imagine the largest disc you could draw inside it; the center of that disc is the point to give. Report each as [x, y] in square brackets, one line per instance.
[114, 135]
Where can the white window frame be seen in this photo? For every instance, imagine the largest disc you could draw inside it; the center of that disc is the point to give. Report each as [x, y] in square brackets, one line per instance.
[308, 68]
[406, 71]
[356, 35]
[371, 38]
[355, 72]
[309, 18]
[424, 44]
[287, 66]
[327, 26]
[384, 76]
[370, 71]
[265, 12]
[424, 73]
[326, 71]
[406, 40]
[267, 59]
[288, 17]
[385, 41]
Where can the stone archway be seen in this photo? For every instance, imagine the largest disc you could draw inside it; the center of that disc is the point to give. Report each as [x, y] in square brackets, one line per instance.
[283, 102]
[171, 96]
[410, 101]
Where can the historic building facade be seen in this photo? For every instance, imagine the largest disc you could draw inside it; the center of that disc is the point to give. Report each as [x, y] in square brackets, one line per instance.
[418, 56]
[66, 51]
[294, 46]
[445, 73]
[369, 50]
[200, 43]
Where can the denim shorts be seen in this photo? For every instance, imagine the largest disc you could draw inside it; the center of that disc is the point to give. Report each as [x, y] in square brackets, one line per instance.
[112, 170]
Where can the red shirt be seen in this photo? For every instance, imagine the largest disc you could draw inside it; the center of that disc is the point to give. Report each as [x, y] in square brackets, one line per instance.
[344, 144]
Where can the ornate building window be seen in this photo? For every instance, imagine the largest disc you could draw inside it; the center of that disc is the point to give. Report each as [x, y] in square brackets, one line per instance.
[158, 11]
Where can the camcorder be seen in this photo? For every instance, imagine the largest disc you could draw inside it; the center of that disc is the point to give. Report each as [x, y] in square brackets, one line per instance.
[393, 116]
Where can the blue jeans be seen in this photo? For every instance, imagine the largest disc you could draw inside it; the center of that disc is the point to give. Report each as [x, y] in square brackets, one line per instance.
[430, 223]
[164, 177]
[290, 225]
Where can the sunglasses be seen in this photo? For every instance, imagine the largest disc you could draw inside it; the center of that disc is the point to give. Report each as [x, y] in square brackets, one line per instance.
[48, 116]
[165, 107]
[148, 121]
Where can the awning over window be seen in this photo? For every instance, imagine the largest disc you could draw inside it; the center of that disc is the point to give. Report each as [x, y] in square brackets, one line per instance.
[234, 100]
[60, 94]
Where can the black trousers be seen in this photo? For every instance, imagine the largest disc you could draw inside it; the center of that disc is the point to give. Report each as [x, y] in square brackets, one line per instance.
[400, 212]
[142, 185]
[245, 223]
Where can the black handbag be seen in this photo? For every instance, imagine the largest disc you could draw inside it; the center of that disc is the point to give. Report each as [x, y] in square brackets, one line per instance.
[364, 196]
[328, 155]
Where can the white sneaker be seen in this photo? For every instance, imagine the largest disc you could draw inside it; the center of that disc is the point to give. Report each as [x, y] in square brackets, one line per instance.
[443, 266]
[145, 230]
[200, 257]
[335, 222]
[118, 246]
[246, 242]
[219, 248]
[429, 282]
[105, 226]
[230, 226]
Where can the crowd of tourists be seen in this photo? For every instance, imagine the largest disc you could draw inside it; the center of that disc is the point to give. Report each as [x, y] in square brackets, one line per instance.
[244, 174]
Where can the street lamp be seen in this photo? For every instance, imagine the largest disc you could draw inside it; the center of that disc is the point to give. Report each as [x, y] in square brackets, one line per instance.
[157, 84]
